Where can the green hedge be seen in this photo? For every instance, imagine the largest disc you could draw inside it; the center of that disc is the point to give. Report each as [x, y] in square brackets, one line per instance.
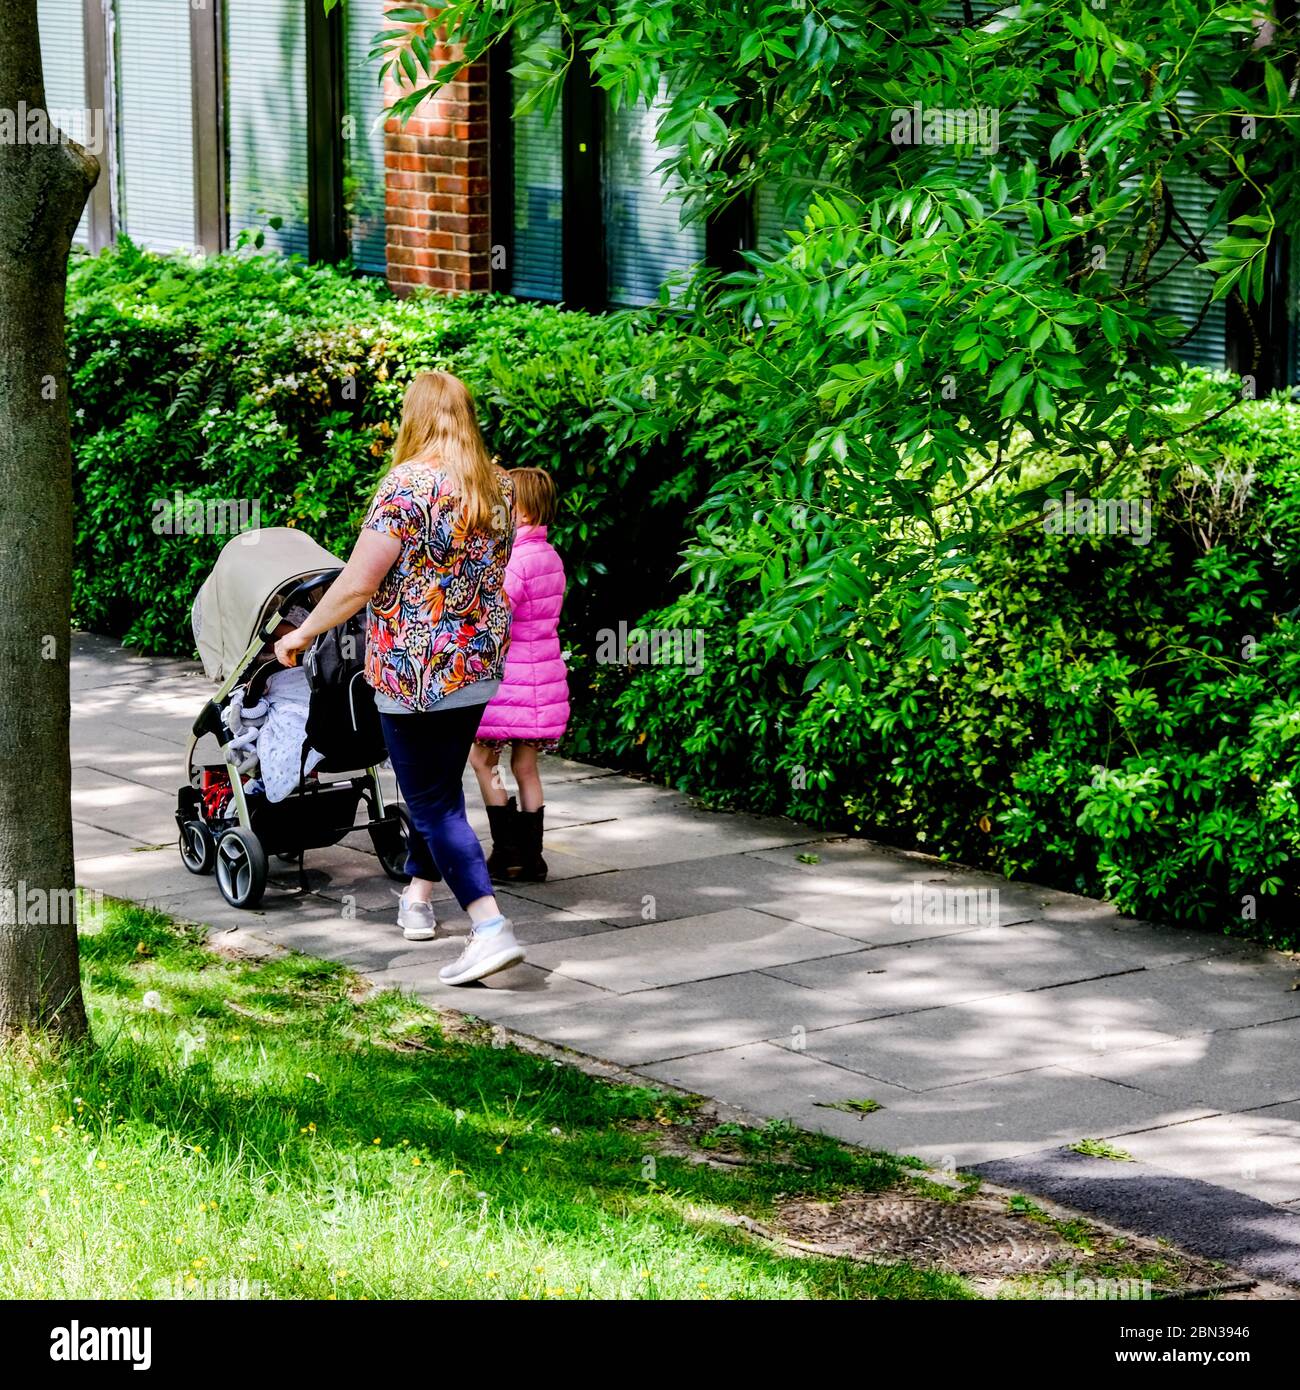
[1125, 721]
[259, 379]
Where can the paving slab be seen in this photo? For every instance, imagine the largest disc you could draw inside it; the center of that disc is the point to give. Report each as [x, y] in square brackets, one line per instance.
[512, 997]
[692, 948]
[125, 808]
[698, 1016]
[631, 897]
[93, 841]
[1256, 1154]
[879, 874]
[1232, 1069]
[984, 962]
[951, 1129]
[370, 940]
[672, 833]
[991, 1037]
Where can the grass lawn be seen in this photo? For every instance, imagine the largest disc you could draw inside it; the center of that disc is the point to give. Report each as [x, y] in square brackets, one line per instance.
[265, 1128]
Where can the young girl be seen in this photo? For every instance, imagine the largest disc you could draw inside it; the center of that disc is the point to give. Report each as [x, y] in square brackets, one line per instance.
[530, 711]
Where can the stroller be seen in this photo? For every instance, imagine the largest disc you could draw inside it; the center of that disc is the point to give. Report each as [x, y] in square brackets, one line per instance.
[224, 827]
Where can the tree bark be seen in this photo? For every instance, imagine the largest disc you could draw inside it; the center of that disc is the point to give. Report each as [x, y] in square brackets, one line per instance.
[43, 189]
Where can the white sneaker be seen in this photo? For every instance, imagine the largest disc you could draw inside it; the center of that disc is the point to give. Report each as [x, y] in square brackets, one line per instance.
[483, 956]
[416, 920]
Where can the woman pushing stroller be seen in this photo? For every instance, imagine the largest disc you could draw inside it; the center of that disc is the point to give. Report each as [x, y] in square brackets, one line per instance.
[430, 563]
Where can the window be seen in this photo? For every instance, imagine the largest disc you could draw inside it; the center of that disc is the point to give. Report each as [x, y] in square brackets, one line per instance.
[363, 147]
[1185, 291]
[155, 136]
[266, 120]
[63, 56]
[538, 183]
[580, 203]
[645, 240]
[773, 220]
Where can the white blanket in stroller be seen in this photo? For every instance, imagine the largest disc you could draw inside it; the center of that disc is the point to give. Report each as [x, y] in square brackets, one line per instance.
[270, 735]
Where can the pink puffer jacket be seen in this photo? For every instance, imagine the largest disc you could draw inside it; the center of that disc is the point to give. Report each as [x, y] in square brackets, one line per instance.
[533, 701]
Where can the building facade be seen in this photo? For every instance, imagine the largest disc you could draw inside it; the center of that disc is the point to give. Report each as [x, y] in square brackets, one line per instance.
[230, 120]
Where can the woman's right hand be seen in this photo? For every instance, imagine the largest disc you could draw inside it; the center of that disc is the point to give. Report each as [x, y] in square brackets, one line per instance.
[291, 646]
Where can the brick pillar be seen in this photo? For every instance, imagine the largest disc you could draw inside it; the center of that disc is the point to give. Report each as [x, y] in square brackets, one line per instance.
[437, 191]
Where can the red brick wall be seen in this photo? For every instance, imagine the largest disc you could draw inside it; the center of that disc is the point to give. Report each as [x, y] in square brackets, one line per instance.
[436, 179]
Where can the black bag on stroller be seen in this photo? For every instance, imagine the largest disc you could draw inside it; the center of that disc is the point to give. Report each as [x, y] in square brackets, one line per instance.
[342, 721]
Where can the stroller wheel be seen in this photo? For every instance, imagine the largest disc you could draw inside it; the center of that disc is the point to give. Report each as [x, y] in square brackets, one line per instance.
[390, 837]
[241, 868]
[198, 848]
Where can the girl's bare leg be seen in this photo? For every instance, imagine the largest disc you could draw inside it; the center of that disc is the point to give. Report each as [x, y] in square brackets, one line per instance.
[523, 763]
[484, 762]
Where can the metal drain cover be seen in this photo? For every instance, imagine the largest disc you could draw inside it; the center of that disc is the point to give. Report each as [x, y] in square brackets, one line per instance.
[963, 1237]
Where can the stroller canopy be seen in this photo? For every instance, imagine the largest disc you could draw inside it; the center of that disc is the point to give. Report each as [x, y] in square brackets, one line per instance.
[253, 567]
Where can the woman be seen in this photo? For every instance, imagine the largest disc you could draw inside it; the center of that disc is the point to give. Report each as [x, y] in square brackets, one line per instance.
[430, 562]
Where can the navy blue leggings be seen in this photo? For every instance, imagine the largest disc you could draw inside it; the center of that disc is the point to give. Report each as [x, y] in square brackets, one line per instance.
[429, 752]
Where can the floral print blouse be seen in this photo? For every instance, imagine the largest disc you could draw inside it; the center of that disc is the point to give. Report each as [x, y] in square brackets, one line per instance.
[440, 620]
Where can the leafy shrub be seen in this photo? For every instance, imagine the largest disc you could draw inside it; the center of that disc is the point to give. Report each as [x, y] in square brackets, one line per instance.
[262, 379]
[1125, 721]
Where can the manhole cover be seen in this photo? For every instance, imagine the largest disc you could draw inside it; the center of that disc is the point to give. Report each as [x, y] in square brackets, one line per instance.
[964, 1237]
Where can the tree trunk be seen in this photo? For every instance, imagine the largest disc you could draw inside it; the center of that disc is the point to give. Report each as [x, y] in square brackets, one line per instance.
[43, 188]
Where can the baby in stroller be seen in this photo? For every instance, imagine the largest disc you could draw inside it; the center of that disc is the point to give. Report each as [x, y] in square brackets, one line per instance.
[255, 798]
[268, 736]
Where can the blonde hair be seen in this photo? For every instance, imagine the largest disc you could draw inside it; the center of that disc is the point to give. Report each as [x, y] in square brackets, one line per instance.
[439, 424]
[534, 495]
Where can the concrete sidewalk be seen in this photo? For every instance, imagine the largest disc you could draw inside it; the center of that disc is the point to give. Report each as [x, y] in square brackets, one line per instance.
[787, 972]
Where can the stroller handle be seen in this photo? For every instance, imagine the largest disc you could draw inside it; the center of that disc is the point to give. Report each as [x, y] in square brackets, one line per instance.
[304, 586]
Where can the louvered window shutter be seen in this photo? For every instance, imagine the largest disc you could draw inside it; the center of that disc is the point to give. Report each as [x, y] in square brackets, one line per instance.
[363, 151]
[266, 93]
[63, 56]
[645, 241]
[155, 134]
[538, 171]
[1185, 291]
